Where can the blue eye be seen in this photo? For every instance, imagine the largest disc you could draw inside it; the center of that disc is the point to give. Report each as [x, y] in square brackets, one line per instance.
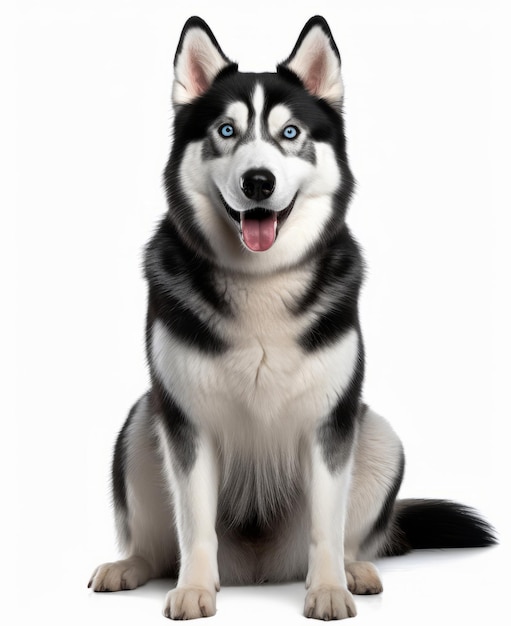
[226, 130]
[290, 132]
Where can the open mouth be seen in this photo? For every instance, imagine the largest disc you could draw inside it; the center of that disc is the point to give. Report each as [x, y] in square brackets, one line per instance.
[259, 227]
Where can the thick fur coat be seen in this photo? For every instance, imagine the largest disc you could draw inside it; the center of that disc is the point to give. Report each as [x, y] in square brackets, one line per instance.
[252, 457]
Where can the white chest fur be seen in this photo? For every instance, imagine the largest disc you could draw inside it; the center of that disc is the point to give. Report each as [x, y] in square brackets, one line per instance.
[264, 378]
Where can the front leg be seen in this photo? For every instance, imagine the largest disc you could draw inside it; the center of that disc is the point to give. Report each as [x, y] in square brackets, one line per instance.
[328, 596]
[192, 472]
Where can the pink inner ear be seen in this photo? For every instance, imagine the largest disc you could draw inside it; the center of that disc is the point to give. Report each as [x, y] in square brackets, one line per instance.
[198, 79]
[315, 74]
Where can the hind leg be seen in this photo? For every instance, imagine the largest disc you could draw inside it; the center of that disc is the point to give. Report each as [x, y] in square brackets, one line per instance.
[377, 474]
[128, 573]
[142, 509]
[363, 578]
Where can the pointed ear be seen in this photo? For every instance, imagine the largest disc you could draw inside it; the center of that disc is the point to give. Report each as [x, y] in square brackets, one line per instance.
[199, 59]
[316, 61]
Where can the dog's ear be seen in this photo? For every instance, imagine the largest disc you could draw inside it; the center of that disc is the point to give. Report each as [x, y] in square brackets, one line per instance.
[199, 59]
[316, 61]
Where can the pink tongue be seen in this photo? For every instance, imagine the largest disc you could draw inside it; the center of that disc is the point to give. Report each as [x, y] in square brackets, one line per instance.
[259, 235]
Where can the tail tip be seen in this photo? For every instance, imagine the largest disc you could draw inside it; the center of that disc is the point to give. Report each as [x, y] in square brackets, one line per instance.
[430, 524]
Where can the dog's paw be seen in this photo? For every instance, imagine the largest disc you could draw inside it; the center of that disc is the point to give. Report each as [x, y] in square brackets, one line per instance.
[329, 602]
[126, 574]
[363, 578]
[189, 603]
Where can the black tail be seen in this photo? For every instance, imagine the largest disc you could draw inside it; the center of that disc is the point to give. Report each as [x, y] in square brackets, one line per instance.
[423, 524]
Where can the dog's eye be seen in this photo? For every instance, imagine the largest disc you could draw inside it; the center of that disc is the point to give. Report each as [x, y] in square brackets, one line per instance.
[290, 132]
[226, 131]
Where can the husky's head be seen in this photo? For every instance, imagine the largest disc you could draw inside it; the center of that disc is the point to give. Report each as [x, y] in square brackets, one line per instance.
[258, 176]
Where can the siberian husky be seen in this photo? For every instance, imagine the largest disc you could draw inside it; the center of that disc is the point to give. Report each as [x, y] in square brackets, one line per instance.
[252, 457]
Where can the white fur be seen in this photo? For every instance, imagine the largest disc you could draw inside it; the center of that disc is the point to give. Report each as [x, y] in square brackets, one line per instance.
[326, 578]
[291, 173]
[279, 117]
[255, 408]
[237, 112]
[258, 103]
[329, 491]
[152, 536]
[376, 458]
[227, 172]
[313, 186]
[265, 378]
[154, 541]
[260, 399]
[195, 497]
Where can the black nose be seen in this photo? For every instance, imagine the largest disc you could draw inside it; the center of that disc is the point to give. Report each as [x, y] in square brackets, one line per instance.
[258, 184]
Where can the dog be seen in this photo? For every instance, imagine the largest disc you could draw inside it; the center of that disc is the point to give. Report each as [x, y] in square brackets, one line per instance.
[252, 457]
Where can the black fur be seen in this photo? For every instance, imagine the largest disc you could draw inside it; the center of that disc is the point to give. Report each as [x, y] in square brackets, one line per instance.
[184, 294]
[339, 263]
[119, 464]
[426, 524]
[180, 259]
[181, 433]
[336, 287]
[336, 434]
[174, 272]
[119, 467]
[193, 121]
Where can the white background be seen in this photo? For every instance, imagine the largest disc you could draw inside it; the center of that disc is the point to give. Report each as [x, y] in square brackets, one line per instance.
[427, 117]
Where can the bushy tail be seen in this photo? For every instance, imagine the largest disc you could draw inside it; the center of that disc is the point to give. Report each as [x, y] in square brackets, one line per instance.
[423, 524]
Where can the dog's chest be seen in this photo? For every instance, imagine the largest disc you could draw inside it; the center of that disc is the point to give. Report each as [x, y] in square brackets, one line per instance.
[265, 358]
[264, 376]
